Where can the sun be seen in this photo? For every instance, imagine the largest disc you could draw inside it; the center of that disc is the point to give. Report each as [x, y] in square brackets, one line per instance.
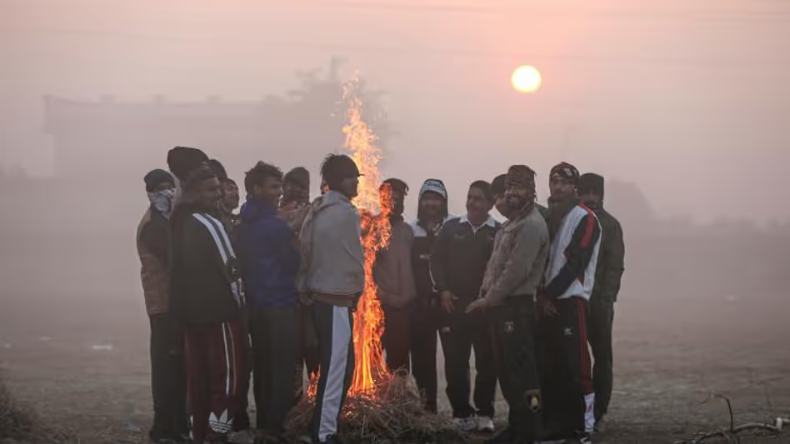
[526, 79]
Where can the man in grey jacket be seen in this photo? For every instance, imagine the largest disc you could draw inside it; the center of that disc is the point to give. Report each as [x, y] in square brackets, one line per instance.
[508, 294]
[394, 277]
[332, 275]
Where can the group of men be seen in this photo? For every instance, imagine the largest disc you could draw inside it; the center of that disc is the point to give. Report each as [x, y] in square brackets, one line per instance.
[272, 291]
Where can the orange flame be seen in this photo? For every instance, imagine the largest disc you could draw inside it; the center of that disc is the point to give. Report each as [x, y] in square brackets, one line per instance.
[370, 366]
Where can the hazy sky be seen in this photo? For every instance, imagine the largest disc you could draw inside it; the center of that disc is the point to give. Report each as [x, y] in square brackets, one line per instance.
[688, 99]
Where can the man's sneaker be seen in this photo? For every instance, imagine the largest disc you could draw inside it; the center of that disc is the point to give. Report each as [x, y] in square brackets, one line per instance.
[600, 425]
[304, 439]
[332, 439]
[583, 438]
[468, 424]
[504, 437]
[485, 424]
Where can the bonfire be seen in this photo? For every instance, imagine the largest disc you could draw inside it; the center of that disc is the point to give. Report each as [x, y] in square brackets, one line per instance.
[381, 407]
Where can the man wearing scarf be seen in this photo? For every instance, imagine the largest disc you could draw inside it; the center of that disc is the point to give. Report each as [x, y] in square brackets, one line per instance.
[512, 276]
[168, 381]
[569, 279]
[608, 273]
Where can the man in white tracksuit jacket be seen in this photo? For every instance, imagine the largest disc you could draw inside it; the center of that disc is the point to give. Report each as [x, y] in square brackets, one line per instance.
[570, 274]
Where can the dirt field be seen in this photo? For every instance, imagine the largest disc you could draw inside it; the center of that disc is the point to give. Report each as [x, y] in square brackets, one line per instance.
[89, 374]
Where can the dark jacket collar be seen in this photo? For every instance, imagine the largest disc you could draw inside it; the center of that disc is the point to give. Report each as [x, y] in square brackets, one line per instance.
[254, 209]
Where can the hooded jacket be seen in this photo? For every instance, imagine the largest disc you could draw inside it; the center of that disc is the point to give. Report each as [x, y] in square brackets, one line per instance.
[332, 268]
[269, 259]
[206, 285]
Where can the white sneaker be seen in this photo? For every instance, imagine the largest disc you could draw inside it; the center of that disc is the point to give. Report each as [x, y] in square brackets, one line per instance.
[468, 424]
[485, 424]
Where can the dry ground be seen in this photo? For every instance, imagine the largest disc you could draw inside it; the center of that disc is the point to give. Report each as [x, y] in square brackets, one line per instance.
[88, 373]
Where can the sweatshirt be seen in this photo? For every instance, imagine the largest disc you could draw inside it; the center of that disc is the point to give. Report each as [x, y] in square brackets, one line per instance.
[393, 269]
[332, 267]
[516, 265]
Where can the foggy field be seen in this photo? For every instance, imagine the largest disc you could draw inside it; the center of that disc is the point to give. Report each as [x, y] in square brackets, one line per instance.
[670, 354]
[703, 310]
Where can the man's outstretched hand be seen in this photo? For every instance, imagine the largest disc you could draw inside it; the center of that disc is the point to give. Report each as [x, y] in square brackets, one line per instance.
[477, 304]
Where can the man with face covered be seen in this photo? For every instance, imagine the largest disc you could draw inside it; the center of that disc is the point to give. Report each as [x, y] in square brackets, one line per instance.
[294, 206]
[229, 202]
[394, 277]
[570, 275]
[168, 381]
[207, 297]
[507, 294]
[431, 215]
[458, 262]
[296, 197]
[608, 272]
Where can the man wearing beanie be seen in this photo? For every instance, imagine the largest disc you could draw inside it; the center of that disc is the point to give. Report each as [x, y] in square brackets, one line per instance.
[431, 215]
[182, 160]
[507, 294]
[575, 241]
[332, 275]
[608, 273]
[458, 262]
[394, 277]
[228, 204]
[207, 297]
[168, 381]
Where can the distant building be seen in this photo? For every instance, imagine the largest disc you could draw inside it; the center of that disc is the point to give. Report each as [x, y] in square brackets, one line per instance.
[111, 138]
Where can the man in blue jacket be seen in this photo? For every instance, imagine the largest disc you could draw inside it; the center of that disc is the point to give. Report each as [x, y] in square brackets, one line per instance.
[269, 262]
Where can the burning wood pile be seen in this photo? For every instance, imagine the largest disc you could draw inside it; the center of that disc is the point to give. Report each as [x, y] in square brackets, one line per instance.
[391, 412]
[381, 407]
